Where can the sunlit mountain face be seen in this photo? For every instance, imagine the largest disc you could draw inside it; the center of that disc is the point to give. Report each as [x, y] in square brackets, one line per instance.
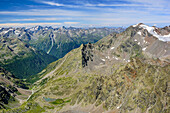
[88, 56]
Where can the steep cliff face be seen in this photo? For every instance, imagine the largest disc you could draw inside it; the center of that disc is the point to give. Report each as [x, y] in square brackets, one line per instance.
[87, 54]
[126, 72]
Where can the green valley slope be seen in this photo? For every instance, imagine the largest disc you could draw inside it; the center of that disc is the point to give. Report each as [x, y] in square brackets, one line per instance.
[21, 59]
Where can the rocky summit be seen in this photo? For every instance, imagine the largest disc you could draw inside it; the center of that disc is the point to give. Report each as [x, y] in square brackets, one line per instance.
[127, 72]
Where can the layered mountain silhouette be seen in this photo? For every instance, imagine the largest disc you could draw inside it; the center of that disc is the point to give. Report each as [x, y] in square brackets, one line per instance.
[57, 41]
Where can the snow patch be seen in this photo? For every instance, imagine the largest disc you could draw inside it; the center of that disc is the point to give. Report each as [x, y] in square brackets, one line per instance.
[4, 32]
[107, 57]
[116, 58]
[32, 29]
[112, 47]
[135, 40]
[144, 49]
[135, 25]
[103, 60]
[119, 106]
[139, 33]
[163, 38]
[138, 43]
[36, 28]
[17, 32]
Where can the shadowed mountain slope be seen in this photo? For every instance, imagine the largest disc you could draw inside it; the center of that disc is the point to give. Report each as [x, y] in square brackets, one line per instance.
[21, 59]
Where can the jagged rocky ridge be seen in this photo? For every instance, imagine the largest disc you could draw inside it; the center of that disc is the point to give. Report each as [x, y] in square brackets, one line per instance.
[126, 72]
[57, 41]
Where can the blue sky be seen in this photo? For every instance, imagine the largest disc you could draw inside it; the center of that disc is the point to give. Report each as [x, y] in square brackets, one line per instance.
[84, 13]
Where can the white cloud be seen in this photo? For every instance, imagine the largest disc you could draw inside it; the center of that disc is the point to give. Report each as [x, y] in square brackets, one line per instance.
[35, 24]
[52, 3]
[71, 23]
[58, 4]
[104, 5]
[45, 12]
[91, 6]
[38, 19]
[27, 24]
[135, 3]
[23, 20]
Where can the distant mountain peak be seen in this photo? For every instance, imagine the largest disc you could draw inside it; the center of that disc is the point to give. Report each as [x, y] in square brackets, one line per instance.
[155, 32]
[136, 25]
[63, 27]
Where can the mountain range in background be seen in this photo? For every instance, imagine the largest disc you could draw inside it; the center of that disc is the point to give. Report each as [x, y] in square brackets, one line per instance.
[53, 41]
[26, 51]
[123, 72]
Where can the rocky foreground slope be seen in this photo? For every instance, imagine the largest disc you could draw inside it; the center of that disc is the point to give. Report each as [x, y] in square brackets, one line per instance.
[13, 91]
[126, 72]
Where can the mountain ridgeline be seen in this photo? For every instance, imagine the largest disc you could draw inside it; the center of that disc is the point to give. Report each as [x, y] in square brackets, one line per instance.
[123, 72]
[57, 41]
[27, 51]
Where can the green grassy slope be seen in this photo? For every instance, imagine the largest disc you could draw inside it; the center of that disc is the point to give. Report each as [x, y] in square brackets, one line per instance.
[21, 59]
